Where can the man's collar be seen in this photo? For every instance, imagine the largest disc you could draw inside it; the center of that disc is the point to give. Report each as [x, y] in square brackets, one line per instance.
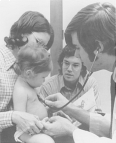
[80, 81]
[8, 57]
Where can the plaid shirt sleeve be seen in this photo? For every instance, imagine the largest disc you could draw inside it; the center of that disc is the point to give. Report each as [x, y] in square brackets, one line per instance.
[7, 81]
[5, 119]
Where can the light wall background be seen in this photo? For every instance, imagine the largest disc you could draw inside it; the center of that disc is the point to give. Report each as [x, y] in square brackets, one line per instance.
[11, 10]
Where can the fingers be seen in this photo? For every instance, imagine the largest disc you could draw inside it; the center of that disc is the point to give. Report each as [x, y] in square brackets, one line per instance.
[35, 129]
[36, 117]
[31, 128]
[23, 126]
[46, 119]
[46, 124]
[38, 124]
[48, 133]
[50, 103]
[30, 131]
[27, 122]
[52, 97]
[53, 119]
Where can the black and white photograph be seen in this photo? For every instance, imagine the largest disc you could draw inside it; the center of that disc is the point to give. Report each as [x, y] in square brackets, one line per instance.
[57, 71]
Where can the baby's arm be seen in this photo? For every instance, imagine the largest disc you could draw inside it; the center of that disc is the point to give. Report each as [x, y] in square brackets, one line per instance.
[19, 99]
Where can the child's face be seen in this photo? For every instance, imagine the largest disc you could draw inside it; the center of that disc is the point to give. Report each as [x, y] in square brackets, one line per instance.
[38, 79]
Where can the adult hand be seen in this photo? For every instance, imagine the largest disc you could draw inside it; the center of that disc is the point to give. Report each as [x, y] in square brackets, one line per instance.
[56, 100]
[57, 126]
[27, 122]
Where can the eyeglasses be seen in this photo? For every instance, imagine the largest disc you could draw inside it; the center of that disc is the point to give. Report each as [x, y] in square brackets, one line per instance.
[74, 66]
[40, 42]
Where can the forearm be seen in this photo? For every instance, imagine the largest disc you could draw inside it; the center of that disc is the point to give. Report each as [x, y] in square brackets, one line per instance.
[97, 123]
[81, 136]
[78, 113]
[5, 119]
[100, 125]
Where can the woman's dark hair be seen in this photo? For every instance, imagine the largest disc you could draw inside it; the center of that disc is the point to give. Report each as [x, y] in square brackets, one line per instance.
[33, 57]
[29, 22]
[69, 51]
[95, 22]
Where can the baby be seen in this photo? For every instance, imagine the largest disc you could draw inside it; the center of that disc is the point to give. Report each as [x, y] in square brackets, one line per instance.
[33, 66]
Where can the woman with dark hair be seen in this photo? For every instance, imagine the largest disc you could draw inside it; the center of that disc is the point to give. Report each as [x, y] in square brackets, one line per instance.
[31, 27]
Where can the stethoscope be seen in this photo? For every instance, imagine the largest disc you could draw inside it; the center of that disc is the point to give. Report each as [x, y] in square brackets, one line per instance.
[53, 109]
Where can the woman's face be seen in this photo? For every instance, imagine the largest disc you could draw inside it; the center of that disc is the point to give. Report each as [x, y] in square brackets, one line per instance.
[38, 37]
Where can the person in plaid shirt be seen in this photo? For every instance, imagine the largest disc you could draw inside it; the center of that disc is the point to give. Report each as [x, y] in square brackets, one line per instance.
[30, 27]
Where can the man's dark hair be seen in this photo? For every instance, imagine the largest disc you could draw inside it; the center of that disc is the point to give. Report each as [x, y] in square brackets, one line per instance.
[69, 51]
[95, 22]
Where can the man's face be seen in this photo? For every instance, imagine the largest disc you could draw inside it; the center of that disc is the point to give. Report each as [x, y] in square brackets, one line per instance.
[83, 54]
[71, 68]
[104, 61]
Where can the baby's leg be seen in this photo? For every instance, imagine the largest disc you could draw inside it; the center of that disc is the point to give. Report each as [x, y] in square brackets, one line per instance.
[38, 138]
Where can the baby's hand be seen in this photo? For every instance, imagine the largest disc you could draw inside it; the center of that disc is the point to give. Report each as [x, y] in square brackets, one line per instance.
[62, 114]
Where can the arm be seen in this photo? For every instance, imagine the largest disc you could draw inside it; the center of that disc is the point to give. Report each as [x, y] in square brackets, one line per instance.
[19, 99]
[96, 93]
[58, 126]
[97, 123]
[4, 87]
[92, 83]
[79, 114]
[81, 136]
[58, 100]
[25, 121]
[5, 119]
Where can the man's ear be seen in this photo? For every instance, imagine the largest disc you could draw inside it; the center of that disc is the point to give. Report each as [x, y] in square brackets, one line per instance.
[100, 47]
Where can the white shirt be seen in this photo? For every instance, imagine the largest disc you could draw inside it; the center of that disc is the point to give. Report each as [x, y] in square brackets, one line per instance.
[81, 136]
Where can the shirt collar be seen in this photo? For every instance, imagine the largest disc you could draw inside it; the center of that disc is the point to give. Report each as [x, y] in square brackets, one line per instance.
[9, 58]
[80, 81]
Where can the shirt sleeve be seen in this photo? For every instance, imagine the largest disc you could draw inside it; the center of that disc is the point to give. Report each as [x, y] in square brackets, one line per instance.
[96, 94]
[81, 136]
[5, 119]
[44, 91]
[5, 92]
[1, 59]
[100, 125]
[92, 83]
[49, 87]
